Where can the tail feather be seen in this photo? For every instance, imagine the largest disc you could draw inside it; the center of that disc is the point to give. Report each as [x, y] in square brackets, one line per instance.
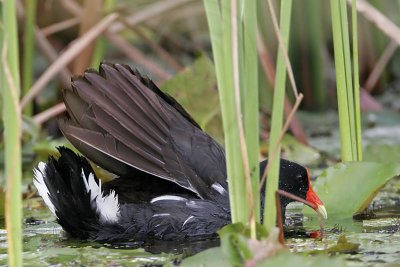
[73, 193]
[41, 186]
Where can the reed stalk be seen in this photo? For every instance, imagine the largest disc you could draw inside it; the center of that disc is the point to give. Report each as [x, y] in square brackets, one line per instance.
[232, 27]
[277, 116]
[356, 81]
[12, 131]
[347, 82]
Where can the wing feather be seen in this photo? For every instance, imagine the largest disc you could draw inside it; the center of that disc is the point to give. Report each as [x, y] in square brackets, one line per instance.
[122, 121]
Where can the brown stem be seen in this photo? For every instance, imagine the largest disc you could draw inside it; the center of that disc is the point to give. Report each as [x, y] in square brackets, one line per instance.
[60, 26]
[158, 49]
[129, 50]
[137, 56]
[268, 68]
[49, 113]
[279, 218]
[296, 198]
[91, 14]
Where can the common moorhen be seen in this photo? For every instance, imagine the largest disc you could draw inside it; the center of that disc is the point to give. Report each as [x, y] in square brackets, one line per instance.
[171, 181]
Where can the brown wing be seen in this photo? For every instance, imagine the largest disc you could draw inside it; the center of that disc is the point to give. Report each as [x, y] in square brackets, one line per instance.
[124, 123]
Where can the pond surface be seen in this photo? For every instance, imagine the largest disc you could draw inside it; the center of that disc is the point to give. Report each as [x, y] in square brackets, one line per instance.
[377, 233]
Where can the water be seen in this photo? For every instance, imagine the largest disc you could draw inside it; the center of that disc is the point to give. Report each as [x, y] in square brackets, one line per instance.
[376, 232]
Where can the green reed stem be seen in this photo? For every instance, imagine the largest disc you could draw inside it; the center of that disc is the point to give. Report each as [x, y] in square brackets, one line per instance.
[231, 59]
[277, 117]
[348, 95]
[249, 93]
[356, 75]
[12, 132]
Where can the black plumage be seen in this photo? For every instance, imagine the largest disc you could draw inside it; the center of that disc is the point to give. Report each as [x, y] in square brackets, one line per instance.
[172, 181]
[128, 120]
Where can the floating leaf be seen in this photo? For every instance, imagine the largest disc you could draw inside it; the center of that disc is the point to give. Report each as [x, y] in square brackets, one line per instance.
[347, 188]
[208, 258]
[291, 259]
[382, 153]
[343, 246]
[212, 257]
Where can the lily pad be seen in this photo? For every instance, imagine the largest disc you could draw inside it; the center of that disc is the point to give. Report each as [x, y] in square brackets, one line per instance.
[382, 153]
[212, 257]
[207, 258]
[237, 249]
[343, 246]
[347, 188]
[291, 259]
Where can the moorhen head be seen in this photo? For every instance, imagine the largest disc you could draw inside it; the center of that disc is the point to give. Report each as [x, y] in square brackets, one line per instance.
[171, 176]
[295, 179]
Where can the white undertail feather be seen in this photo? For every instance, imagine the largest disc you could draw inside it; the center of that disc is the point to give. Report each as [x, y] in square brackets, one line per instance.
[167, 197]
[217, 187]
[106, 206]
[40, 174]
[161, 214]
[187, 220]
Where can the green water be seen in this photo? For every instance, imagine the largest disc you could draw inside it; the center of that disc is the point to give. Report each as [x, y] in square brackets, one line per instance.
[377, 234]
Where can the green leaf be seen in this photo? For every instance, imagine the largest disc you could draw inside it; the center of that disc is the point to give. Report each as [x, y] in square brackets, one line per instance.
[212, 257]
[382, 153]
[290, 259]
[240, 249]
[234, 243]
[344, 246]
[207, 258]
[347, 188]
[235, 228]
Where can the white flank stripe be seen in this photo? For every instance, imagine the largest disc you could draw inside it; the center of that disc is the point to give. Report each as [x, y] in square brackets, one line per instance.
[106, 206]
[167, 197]
[187, 220]
[40, 174]
[217, 187]
[161, 214]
